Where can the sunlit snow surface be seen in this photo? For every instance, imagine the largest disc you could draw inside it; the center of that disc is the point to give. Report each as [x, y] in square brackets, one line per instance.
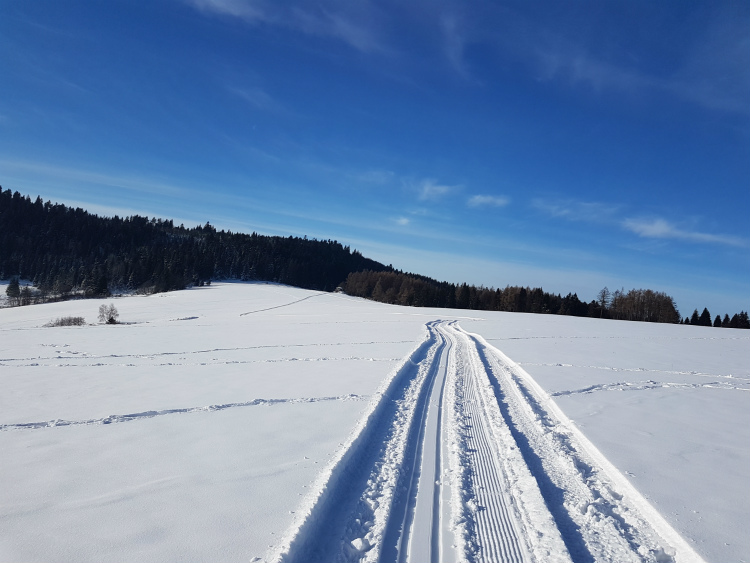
[194, 429]
[668, 405]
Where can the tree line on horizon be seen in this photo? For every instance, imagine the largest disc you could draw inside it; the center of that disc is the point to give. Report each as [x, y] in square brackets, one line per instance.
[399, 288]
[739, 320]
[67, 252]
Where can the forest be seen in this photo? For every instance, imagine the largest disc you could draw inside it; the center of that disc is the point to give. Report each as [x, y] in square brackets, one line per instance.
[645, 305]
[69, 252]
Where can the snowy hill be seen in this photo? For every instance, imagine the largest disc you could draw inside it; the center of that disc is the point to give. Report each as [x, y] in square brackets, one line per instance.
[243, 421]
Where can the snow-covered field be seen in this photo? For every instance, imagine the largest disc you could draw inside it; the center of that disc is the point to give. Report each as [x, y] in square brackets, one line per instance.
[242, 421]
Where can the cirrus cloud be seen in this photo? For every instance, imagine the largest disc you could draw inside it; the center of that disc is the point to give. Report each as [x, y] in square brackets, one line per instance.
[487, 201]
[430, 190]
[661, 228]
[353, 23]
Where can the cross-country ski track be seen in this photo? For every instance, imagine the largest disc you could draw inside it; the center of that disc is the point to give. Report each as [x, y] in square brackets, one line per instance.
[462, 457]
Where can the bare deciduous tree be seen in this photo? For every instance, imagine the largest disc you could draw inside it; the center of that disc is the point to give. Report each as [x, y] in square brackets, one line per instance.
[108, 314]
[603, 299]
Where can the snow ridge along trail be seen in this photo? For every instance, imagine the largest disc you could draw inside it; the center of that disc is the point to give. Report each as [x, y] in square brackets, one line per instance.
[462, 457]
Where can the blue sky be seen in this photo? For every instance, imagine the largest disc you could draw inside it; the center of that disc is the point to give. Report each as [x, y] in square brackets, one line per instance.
[567, 145]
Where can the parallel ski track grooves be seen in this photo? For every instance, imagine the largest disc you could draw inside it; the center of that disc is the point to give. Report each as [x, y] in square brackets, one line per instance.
[597, 523]
[421, 508]
[496, 521]
[371, 492]
[523, 488]
[348, 505]
[553, 494]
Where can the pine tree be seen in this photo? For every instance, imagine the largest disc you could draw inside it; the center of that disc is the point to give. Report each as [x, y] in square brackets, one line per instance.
[705, 318]
[717, 321]
[13, 291]
[694, 318]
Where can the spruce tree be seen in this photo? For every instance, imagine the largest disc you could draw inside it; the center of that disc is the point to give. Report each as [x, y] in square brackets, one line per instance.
[694, 318]
[705, 318]
[13, 291]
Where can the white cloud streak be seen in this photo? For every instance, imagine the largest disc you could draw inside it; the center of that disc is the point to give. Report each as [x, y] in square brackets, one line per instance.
[714, 71]
[487, 201]
[572, 210]
[662, 229]
[127, 182]
[353, 23]
[453, 44]
[645, 227]
[430, 190]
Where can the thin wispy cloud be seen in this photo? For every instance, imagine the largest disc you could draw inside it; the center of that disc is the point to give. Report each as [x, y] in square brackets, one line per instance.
[487, 201]
[573, 210]
[645, 227]
[127, 182]
[259, 99]
[246, 9]
[430, 190]
[714, 70]
[352, 23]
[659, 228]
[453, 43]
[403, 221]
[580, 68]
[377, 177]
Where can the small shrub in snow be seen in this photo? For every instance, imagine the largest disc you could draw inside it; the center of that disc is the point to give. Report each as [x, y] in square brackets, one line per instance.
[67, 321]
[108, 314]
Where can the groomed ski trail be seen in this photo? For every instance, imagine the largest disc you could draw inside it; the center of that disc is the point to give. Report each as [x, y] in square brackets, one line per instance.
[462, 457]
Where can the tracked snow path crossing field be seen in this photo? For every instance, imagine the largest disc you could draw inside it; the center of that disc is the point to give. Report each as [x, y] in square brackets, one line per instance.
[416, 519]
[462, 457]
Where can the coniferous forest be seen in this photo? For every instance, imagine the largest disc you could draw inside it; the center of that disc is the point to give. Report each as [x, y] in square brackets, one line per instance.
[69, 252]
[65, 250]
[399, 288]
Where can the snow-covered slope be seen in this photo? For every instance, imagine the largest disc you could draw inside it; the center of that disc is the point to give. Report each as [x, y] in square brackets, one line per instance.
[667, 404]
[215, 421]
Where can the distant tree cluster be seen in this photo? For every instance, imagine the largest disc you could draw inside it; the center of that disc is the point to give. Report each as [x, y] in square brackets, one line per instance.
[68, 251]
[399, 288]
[739, 320]
[638, 305]
[18, 295]
[408, 289]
